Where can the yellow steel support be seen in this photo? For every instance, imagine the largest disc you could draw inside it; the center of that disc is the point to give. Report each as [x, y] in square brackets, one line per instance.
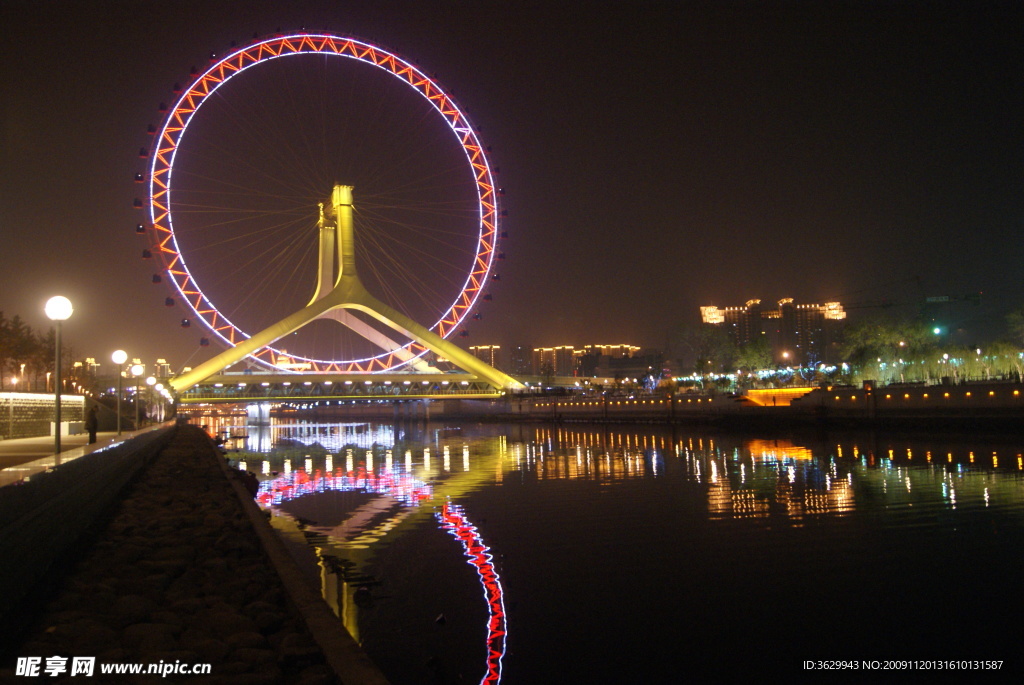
[348, 293]
[326, 281]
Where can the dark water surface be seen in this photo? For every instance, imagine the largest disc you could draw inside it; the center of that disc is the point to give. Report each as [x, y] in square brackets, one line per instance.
[643, 555]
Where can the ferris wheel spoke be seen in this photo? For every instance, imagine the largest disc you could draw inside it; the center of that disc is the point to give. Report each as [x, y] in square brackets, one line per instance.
[230, 189]
[247, 123]
[400, 271]
[274, 249]
[283, 272]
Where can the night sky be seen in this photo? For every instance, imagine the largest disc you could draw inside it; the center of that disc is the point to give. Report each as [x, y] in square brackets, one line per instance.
[656, 156]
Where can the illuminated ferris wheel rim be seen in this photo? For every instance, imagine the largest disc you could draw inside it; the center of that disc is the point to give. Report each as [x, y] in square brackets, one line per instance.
[172, 131]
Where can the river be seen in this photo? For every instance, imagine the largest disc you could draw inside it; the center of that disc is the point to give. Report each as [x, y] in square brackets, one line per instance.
[588, 554]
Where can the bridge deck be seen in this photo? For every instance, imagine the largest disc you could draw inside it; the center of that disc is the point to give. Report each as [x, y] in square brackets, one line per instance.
[311, 387]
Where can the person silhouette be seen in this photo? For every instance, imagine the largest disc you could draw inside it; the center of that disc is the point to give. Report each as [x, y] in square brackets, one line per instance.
[91, 424]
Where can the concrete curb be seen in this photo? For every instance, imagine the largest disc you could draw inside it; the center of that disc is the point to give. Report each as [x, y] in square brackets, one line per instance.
[344, 656]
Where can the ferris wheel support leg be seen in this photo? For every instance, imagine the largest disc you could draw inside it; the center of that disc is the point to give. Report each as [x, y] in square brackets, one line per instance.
[358, 298]
[325, 263]
[244, 348]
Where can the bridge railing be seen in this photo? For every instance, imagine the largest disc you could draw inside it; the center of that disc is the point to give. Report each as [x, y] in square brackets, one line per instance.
[255, 390]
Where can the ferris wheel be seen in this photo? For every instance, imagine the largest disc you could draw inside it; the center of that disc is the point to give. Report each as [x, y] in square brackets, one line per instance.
[250, 146]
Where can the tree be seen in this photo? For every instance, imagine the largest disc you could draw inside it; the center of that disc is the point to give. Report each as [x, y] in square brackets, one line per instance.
[1003, 358]
[1015, 324]
[712, 349]
[754, 356]
[20, 344]
[888, 349]
[42, 358]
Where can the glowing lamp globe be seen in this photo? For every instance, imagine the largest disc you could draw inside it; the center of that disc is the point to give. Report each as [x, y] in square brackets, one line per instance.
[119, 357]
[58, 308]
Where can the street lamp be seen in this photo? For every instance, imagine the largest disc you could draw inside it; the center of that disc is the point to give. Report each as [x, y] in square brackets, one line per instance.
[59, 309]
[151, 381]
[119, 357]
[137, 370]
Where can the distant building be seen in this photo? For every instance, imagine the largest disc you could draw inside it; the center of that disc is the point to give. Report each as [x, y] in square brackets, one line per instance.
[490, 354]
[797, 333]
[742, 323]
[611, 350]
[637, 365]
[520, 360]
[585, 361]
[554, 361]
[593, 360]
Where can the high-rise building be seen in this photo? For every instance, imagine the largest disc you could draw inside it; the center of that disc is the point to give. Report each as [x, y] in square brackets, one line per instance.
[554, 361]
[797, 333]
[521, 360]
[570, 360]
[594, 360]
[743, 324]
[610, 350]
[490, 354]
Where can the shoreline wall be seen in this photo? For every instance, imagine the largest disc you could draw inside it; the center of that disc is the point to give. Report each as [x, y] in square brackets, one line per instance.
[998, 401]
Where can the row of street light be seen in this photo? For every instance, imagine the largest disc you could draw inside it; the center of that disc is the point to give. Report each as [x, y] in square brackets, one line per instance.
[59, 309]
[119, 357]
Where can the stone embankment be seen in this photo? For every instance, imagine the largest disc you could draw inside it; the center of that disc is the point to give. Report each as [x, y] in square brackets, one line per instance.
[179, 575]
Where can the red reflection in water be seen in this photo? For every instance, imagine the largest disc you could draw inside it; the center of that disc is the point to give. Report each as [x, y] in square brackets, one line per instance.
[403, 487]
[455, 522]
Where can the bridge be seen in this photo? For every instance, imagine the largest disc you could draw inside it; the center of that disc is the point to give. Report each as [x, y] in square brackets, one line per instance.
[230, 388]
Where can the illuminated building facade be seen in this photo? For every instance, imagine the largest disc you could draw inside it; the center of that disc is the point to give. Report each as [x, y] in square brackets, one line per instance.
[610, 350]
[797, 333]
[554, 361]
[490, 354]
[585, 361]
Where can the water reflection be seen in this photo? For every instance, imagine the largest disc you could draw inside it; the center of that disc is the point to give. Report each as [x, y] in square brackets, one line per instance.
[755, 477]
[578, 513]
[455, 522]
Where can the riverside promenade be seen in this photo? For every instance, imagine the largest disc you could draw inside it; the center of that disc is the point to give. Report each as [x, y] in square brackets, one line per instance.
[22, 457]
[183, 572]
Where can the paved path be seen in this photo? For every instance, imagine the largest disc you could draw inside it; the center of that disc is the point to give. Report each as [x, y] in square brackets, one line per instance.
[189, 572]
[179, 575]
[23, 457]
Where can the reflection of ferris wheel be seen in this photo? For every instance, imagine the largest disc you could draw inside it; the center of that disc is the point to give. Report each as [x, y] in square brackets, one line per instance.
[232, 222]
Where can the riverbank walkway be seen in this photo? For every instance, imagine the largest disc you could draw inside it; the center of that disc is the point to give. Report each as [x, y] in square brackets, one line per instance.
[184, 572]
[21, 457]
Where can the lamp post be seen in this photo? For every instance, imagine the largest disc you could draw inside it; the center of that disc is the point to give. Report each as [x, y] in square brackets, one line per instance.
[119, 357]
[162, 394]
[150, 381]
[58, 309]
[137, 370]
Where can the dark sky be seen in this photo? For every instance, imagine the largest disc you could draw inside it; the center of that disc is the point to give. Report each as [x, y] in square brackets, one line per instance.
[656, 156]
